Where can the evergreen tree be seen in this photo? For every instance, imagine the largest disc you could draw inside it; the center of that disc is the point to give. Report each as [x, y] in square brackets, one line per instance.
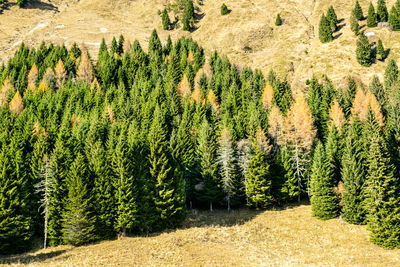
[224, 10]
[363, 51]
[358, 12]
[382, 12]
[258, 182]
[325, 30]
[332, 18]
[372, 20]
[394, 18]
[278, 20]
[354, 26]
[382, 197]
[324, 203]
[333, 152]
[353, 176]
[165, 20]
[21, 3]
[78, 221]
[380, 51]
[391, 74]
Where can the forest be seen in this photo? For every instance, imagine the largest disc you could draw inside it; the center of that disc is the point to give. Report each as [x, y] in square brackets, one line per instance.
[126, 144]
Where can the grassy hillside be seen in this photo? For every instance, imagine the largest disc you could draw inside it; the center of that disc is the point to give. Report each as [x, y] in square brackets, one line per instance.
[277, 237]
[247, 35]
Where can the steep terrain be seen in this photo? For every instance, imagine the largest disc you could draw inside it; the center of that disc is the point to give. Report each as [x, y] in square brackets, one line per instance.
[247, 35]
[289, 237]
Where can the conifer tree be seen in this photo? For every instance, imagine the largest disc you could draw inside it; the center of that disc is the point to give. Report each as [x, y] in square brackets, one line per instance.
[21, 3]
[258, 182]
[85, 71]
[358, 12]
[289, 190]
[382, 197]
[354, 26]
[381, 11]
[333, 152]
[155, 46]
[278, 20]
[126, 191]
[353, 176]
[78, 221]
[324, 203]
[363, 51]
[380, 51]
[168, 199]
[325, 30]
[372, 17]
[394, 18]
[224, 10]
[332, 18]
[165, 20]
[391, 74]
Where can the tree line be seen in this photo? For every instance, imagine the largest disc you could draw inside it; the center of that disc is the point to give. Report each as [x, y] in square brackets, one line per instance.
[125, 145]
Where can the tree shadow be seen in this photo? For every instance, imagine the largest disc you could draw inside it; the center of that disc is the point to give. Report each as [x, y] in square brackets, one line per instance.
[387, 51]
[337, 36]
[339, 27]
[29, 259]
[362, 26]
[340, 20]
[37, 4]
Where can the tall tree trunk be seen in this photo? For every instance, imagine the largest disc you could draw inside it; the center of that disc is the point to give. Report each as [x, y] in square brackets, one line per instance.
[211, 208]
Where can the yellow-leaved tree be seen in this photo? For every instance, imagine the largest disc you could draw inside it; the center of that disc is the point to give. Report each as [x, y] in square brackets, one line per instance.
[267, 97]
[60, 73]
[85, 70]
[336, 115]
[184, 88]
[16, 104]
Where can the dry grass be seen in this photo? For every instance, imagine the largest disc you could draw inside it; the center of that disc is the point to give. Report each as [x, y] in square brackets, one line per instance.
[289, 237]
[247, 35]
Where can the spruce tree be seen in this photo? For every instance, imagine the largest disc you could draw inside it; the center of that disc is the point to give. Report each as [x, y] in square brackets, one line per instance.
[21, 3]
[382, 197]
[364, 51]
[165, 20]
[353, 176]
[381, 11]
[394, 18]
[332, 18]
[325, 30]
[357, 11]
[333, 152]
[371, 19]
[380, 51]
[78, 221]
[258, 182]
[289, 189]
[224, 10]
[391, 74]
[278, 20]
[324, 202]
[354, 26]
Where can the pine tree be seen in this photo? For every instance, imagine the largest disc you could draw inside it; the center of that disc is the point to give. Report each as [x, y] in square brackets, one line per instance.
[278, 20]
[165, 20]
[394, 18]
[354, 26]
[358, 12]
[21, 3]
[332, 18]
[126, 191]
[324, 203]
[224, 10]
[258, 183]
[380, 51]
[353, 176]
[363, 51]
[382, 197]
[168, 199]
[155, 46]
[372, 20]
[78, 221]
[325, 30]
[333, 152]
[381, 11]
[391, 74]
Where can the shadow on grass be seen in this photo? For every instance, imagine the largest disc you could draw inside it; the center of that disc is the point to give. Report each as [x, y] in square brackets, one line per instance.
[29, 259]
[37, 4]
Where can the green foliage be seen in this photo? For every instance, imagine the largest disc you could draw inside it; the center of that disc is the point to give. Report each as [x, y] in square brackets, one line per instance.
[258, 183]
[353, 176]
[354, 26]
[188, 15]
[357, 11]
[21, 3]
[380, 51]
[372, 20]
[332, 18]
[224, 10]
[165, 20]
[278, 20]
[324, 202]
[394, 18]
[325, 30]
[364, 51]
[391, 74]
[382, 12]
